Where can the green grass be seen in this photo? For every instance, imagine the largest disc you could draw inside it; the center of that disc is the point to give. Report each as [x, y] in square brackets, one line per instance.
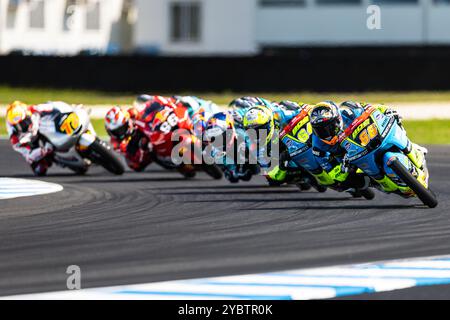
[99, 126]
[429, 131]
[38, 95]
[34, 95]
[422, 132]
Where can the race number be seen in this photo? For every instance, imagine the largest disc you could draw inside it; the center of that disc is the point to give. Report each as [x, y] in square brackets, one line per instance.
[171, 121]
[70, 124]
[367, 135]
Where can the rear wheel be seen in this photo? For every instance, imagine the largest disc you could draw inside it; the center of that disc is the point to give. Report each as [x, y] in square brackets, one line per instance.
[425, 195]
[187, 171]
[304, 186]
[247, 176]
[102, 154]
[368, 194]
[213, 171]
[320, 188]
[79, 171]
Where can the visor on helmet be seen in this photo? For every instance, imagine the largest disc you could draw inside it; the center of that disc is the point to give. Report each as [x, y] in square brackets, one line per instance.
[120, 133]
[327, 129]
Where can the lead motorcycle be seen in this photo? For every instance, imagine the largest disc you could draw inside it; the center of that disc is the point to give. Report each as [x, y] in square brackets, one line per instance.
[69, 130]
[376, 144]
[299, 157]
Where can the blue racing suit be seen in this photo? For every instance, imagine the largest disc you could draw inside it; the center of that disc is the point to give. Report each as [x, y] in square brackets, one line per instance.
[235, 165]
[199, 110]
[298, 154]
[265, 155]
[332, 158]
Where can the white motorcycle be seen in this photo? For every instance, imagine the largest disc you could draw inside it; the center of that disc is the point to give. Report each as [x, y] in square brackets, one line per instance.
[70, 132]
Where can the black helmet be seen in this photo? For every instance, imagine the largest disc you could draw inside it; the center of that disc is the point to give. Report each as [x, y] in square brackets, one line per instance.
[326, 121]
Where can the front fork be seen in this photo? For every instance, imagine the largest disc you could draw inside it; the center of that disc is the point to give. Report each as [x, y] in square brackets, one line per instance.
[413, 158]
[85, 141]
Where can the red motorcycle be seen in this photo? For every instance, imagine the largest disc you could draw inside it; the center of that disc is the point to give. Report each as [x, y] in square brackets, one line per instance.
[170, 131]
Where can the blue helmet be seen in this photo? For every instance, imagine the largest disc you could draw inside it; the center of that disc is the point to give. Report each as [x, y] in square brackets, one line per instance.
[221, 125]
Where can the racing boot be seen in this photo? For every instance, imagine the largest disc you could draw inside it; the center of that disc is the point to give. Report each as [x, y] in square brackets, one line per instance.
[417, 155]
[188, 171]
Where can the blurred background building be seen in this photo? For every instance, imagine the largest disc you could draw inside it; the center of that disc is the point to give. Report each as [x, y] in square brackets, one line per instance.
[249, 26]
[65, 27]
[214, 27]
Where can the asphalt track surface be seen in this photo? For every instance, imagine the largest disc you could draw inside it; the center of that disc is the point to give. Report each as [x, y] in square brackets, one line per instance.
[157, 226]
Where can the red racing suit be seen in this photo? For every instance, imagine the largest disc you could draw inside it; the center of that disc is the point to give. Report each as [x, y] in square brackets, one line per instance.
[135, 148]
[37, 152]
[157, 121]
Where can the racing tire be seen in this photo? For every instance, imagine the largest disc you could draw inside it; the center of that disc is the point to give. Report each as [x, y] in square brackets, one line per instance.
[304, 186]
[102, 154]
[247, 177]
[275, 184]
[319, 188]
[187, 173]
[368, 194]
[425, 195]
[232, 179]
[213, 171]
[79, 171]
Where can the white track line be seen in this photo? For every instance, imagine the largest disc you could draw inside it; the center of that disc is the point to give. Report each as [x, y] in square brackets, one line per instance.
[303, 284]
[15, 188]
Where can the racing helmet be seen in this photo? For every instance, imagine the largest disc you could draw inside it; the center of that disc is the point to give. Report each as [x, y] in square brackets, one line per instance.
[19, 117]
[118, 123]
[260, 118]
[188, 101]
[141, 101]
[290, 105]
[246, 102]
[350, 110]
[326, 122]
[221, 125]
[353, 106]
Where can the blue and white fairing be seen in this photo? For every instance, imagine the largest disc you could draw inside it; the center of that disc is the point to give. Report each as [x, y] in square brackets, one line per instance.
[301, 154]
[375, 143]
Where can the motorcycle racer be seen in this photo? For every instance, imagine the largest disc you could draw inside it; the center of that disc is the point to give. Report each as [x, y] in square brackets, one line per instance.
[228, 144]
[329, 122]
[22, 123]
[157, 122]
[298, 155]
[57, 133]
[120, 126]
[241, 105]
[272, 118]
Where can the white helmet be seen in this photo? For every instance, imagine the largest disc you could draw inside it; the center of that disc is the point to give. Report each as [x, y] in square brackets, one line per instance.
[118, 123]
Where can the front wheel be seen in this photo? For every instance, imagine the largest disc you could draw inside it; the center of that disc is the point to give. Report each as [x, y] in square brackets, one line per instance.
[424, 194]
[102, 154]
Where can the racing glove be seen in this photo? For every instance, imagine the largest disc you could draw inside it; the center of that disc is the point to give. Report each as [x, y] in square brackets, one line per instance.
[345, 166]
[393, 113]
